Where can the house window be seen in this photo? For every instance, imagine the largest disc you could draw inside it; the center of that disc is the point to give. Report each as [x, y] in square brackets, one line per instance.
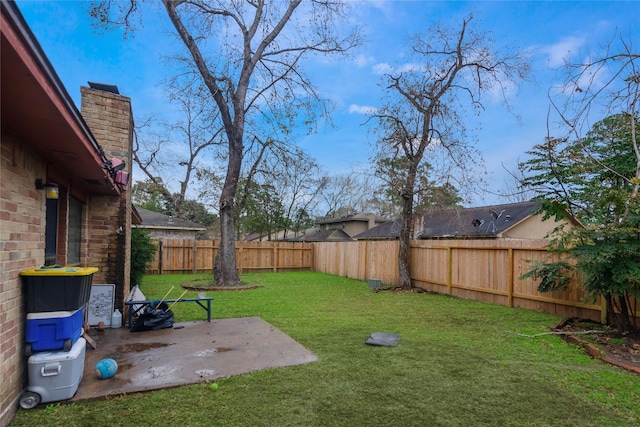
[74, 231]
[51, 232]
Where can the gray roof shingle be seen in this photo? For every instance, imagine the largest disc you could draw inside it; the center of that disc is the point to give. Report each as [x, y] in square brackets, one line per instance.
[386, 230]
[151, 219]
[325, 236]
[484, 221]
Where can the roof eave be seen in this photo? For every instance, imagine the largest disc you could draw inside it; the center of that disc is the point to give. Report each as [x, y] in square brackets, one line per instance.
[22, 43]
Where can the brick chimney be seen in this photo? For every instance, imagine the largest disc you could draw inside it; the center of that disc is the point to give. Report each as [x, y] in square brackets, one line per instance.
[110, 119]
[372, 221]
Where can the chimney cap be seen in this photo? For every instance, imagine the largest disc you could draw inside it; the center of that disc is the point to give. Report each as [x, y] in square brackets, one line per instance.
[104, 87]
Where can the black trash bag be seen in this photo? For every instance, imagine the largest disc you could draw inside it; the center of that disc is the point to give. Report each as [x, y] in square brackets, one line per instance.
[154, 316]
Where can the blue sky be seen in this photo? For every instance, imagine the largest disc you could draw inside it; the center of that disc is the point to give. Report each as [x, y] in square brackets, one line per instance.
[551, 30]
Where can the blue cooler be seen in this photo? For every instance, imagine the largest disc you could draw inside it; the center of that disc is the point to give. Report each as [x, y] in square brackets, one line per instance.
[53, 330]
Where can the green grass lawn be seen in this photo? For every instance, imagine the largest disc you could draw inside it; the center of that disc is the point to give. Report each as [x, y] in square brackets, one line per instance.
[458, 363]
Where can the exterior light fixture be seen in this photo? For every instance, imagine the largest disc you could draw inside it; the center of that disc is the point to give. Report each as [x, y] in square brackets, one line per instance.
[50, 189]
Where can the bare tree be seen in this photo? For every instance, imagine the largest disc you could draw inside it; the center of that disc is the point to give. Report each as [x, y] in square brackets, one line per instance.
[423, 112]
[291, 174]
[248, 53]
[296, 177]
[605, 84]
[177, 152]
[513, 188]
[346, 194]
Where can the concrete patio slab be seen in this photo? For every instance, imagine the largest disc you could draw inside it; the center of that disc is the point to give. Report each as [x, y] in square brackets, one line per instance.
[188, 353]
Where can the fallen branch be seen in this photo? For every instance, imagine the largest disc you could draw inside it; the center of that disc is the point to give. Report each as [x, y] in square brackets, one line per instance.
[561, 333]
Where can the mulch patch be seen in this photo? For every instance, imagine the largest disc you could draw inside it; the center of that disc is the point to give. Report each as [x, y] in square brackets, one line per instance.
[602, 342]
[219, 288]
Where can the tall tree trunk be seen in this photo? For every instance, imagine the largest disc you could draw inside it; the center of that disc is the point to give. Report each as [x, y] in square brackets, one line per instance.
[405, 241]
[618, 313]
[225, 270]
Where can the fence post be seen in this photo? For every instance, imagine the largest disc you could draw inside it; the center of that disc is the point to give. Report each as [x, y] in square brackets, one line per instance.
[312, 257]
[194, 256]
[160, 258]
[275, 258]
[510, 279]
[366, 259]
[449, 269]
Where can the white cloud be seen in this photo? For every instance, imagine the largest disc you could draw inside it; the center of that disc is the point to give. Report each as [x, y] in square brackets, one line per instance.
[409, 67]
[386, 68]
[362, 61]
[382, 68]
[361, 109]
[559, 53]
[382, 5]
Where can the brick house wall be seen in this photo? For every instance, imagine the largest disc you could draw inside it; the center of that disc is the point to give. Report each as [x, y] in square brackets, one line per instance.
[106, 235]
[22, 225]
[103, 223]
[43, 136]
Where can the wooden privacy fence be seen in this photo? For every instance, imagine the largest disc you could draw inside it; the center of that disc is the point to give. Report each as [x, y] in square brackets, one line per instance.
[197, 256]
[483, 270]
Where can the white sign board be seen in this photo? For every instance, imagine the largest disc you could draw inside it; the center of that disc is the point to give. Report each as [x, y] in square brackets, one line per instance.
[100, 307]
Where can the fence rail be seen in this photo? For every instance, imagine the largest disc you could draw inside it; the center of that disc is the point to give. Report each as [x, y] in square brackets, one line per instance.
[197, 256]
[483, 270]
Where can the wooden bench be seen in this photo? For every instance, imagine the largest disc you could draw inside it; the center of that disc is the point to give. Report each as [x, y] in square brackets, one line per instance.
[204, 302]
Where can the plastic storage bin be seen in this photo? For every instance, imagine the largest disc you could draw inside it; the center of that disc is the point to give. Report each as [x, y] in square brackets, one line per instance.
[52, 330]
[57, 288]
[54, 376]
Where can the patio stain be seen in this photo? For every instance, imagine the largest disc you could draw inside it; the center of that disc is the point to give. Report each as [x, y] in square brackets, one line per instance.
[138, 347]
[189, 353]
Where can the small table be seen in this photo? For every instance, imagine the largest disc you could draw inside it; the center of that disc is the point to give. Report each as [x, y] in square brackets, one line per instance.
[143, 303]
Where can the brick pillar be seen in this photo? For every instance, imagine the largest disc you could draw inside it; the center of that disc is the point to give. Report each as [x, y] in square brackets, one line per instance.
[110, 119]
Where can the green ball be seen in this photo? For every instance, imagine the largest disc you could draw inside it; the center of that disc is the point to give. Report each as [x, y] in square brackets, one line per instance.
[214, 386]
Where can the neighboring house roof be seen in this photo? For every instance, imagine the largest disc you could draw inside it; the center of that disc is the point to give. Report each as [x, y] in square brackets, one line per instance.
[272, 235]
[157, 220]
[324, 236]
[363, 217]
[135, 216]
[37, 109]
[254, 236]
[386, 230]
[484, 221]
